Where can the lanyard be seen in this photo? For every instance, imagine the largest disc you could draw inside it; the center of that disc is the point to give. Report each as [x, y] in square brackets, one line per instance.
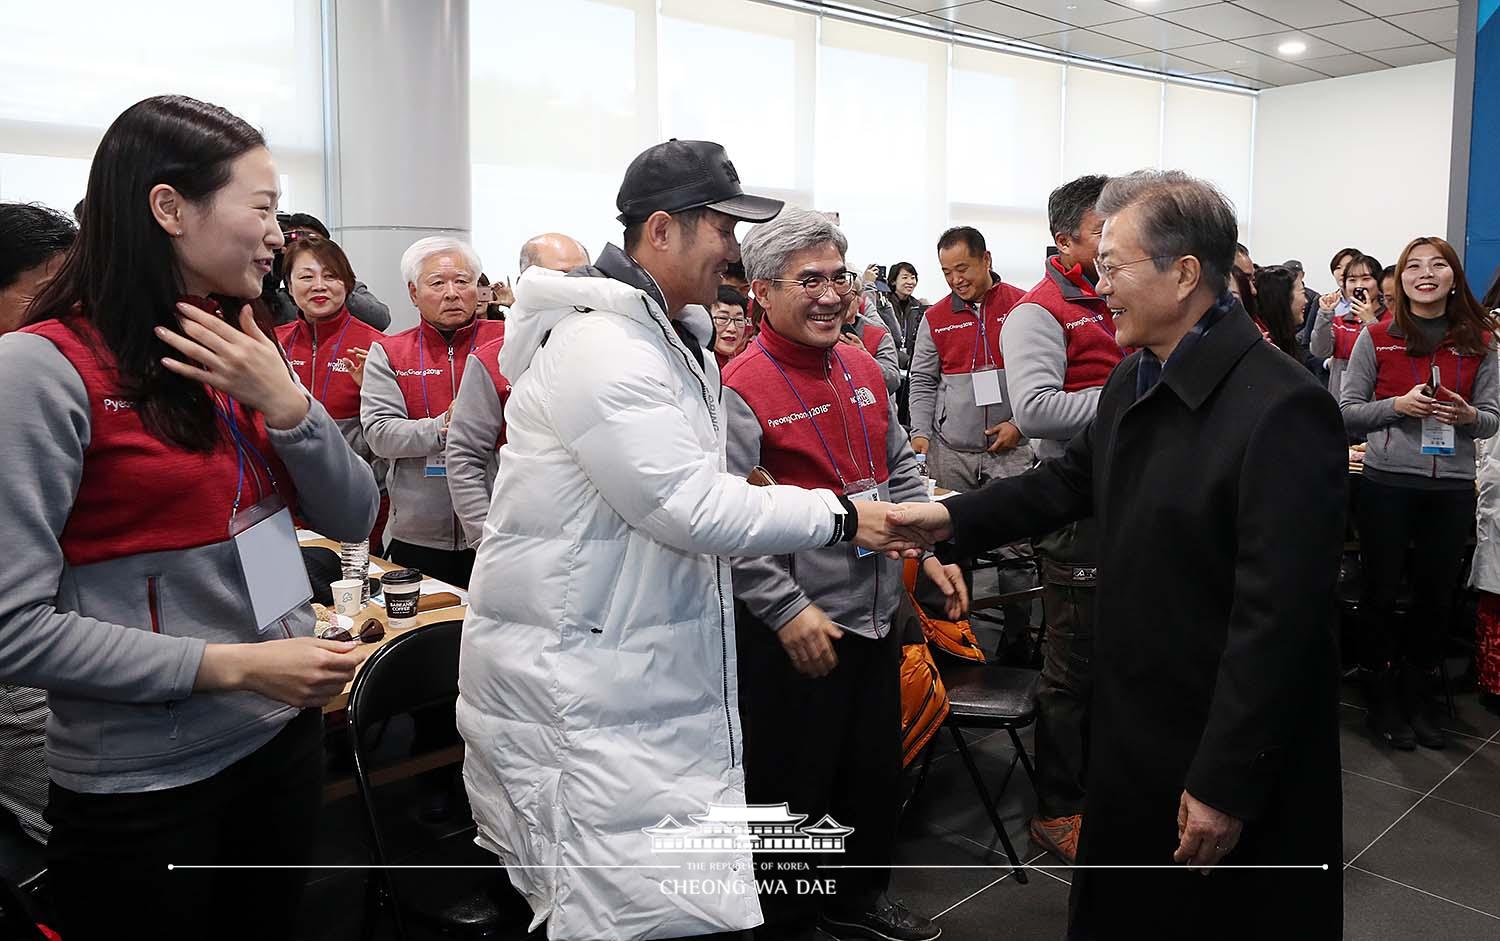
[338, 347]
[981, 339]
[1458, 382]
[241, 444]
[812, 419]
[422, 363]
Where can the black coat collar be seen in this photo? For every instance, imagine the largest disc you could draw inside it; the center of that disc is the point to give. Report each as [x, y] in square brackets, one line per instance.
[1195, 377]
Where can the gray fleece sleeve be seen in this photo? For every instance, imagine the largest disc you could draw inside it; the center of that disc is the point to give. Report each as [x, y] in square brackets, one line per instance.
[367, 307]
[1036, 361]
[890, 365]
[1486, 393]
[44, 422]
[926, 373]
[478, 417]
[322, 463]
[382, 411]
[761, 582]
[1321, 344]
[1361, 415]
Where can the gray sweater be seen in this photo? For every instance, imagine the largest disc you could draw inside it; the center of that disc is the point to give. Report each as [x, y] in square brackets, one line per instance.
[124, 716]
[1394, 444]
[1036, 360]
[478, 419]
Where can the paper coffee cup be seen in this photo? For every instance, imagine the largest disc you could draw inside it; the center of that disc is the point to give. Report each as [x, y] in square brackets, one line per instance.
[402, 589]
[348, 596]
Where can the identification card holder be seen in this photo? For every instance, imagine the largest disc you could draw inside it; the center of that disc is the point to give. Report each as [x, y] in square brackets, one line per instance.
[862, 491]
[987, 389]
[1437, 438]
[270, 561]
[437, 466]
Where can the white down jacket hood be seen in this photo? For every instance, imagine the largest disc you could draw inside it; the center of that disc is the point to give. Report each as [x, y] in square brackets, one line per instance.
[597, 678]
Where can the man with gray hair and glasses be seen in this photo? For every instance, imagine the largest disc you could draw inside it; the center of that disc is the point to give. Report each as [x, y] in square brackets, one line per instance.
[1216, 471]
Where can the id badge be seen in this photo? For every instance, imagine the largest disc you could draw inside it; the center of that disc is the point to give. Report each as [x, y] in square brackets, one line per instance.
[270, 561]
[1437, 438]
[987, 389]
[437, 466]
[862, 491]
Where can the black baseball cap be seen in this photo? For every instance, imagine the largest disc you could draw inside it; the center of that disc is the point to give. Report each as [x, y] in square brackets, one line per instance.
[688, 174]
[1295, 265]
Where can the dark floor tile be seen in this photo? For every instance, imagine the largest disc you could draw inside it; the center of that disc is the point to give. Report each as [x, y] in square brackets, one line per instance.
[950, 802]
[1472, 718]
[1369, 808]
[932, 890]
[1378, 910]
[1420, 769]
[1477, 783]
[1450, 851]
[1037, 911]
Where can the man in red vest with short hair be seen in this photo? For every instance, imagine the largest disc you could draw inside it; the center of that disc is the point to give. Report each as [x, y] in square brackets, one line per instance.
[1060, 343]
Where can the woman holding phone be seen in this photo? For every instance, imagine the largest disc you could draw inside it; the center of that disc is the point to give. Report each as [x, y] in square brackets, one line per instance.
[153, 586]
[1422, 386]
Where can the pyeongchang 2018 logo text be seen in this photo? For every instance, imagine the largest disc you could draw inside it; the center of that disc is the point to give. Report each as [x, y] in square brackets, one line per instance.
[754, 828]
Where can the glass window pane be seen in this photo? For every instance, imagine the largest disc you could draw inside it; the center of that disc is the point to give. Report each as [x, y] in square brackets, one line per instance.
[1208, 134]
[1113, 123]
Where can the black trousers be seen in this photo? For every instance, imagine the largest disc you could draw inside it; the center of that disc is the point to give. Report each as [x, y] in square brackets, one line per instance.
[1435, 524]
[108, 854]
[1062, 723]
[451, 566]
[830, 745]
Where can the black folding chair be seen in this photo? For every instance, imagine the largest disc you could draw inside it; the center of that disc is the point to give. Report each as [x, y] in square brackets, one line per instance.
[417, 670]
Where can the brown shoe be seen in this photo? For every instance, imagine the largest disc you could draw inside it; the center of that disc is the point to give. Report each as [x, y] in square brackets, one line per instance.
[1058, 835]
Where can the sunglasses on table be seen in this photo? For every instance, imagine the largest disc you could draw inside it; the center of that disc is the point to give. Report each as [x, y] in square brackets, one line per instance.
[368, 633]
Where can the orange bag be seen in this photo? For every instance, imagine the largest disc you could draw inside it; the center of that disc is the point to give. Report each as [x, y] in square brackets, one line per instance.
[924, 700]
[951, 637]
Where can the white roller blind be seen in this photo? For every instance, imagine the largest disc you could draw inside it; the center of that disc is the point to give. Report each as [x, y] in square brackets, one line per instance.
[69, 67]
[1113, 123]
[1207, 134]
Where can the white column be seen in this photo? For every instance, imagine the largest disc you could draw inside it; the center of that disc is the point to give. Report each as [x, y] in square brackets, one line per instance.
[398, 128]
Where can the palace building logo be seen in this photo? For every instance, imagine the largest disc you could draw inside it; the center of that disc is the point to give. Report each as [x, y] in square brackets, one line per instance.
[754, 828]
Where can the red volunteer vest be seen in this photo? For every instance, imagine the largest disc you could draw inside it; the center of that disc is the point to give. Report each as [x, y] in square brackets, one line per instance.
[871, 336]
[1396, 372]
[139, 493]
[1088, 327]
[489, 357]
[429, 368]
[815, 404]
[964, 343]
[1345, 332]
[314, 350]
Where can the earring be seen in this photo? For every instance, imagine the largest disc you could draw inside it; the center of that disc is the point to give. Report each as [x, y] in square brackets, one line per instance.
[179, 232]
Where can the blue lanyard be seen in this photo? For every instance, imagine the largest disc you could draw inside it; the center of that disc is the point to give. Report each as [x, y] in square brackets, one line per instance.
[859, 411]
[338, 347]
[981, 339]
[422, 362]
[813, 419]
[1458, 383]
[241, 444]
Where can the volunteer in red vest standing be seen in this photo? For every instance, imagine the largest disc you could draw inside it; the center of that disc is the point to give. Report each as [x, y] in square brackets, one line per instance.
[477, 429]
[1422, 387]
[1366, 304]
[154, 453]
[862, 332]
[818, 661]
[411, 382]
[1061, 344]
[325, 342]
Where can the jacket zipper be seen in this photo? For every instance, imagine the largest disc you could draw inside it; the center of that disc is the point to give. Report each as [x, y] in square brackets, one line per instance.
[917, 733]
[452, 396]
[153, 602]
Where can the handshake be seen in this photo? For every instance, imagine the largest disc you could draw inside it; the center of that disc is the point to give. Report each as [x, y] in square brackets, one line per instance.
[902, 530]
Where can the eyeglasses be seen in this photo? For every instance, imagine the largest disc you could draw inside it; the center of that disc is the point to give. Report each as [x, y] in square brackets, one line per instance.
[816, 284]
[368, 633]
[724, 321]
[1107, 271]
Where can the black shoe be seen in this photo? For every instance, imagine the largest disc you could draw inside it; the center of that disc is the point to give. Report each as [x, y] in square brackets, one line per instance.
[886, 920]
[1385, 717]
[1418, 710]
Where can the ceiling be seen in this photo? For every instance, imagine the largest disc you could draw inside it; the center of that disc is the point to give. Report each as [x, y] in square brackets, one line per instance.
[1242, 43]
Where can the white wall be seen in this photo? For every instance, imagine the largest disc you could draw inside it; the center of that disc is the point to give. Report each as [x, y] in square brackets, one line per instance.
[1319, 188]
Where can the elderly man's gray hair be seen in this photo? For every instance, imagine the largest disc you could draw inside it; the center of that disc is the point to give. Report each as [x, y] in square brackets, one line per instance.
[423, 249]
[529, 250]
[770, 246]
[1179, 215]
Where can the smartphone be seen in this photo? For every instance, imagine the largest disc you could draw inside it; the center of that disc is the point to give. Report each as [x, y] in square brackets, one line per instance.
[1436, 382]
[1360, 294]
[880, 272]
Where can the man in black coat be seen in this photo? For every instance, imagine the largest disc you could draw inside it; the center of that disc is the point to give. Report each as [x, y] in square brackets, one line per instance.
[1216, 469]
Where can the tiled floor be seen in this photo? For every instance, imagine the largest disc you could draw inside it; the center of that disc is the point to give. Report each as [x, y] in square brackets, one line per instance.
[1421, 844]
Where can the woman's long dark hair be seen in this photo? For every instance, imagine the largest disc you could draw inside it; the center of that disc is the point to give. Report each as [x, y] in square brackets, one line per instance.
[122, 272]
[1470, 327]
[1274, 285]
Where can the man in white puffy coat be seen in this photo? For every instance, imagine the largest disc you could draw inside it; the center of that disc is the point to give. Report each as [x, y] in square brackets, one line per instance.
[597, 682]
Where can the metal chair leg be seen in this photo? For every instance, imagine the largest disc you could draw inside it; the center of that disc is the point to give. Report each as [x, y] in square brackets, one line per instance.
[989, 805]
[1447, 687]
[921, 776]
[1021, 753]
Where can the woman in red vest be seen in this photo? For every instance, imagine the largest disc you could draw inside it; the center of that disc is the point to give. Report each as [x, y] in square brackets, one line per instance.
[1421, 387]
[155, 447]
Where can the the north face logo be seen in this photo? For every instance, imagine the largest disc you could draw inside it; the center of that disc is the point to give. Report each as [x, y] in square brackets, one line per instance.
[863, 396]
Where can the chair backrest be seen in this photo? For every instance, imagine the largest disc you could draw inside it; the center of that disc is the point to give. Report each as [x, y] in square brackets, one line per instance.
[419, 668]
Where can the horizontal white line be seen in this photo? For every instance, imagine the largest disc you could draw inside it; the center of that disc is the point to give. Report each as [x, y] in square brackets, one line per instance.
[175, 866]
[1319, 866]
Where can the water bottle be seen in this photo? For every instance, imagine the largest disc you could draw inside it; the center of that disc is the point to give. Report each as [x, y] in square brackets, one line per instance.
[926, 478]
[354, 562]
